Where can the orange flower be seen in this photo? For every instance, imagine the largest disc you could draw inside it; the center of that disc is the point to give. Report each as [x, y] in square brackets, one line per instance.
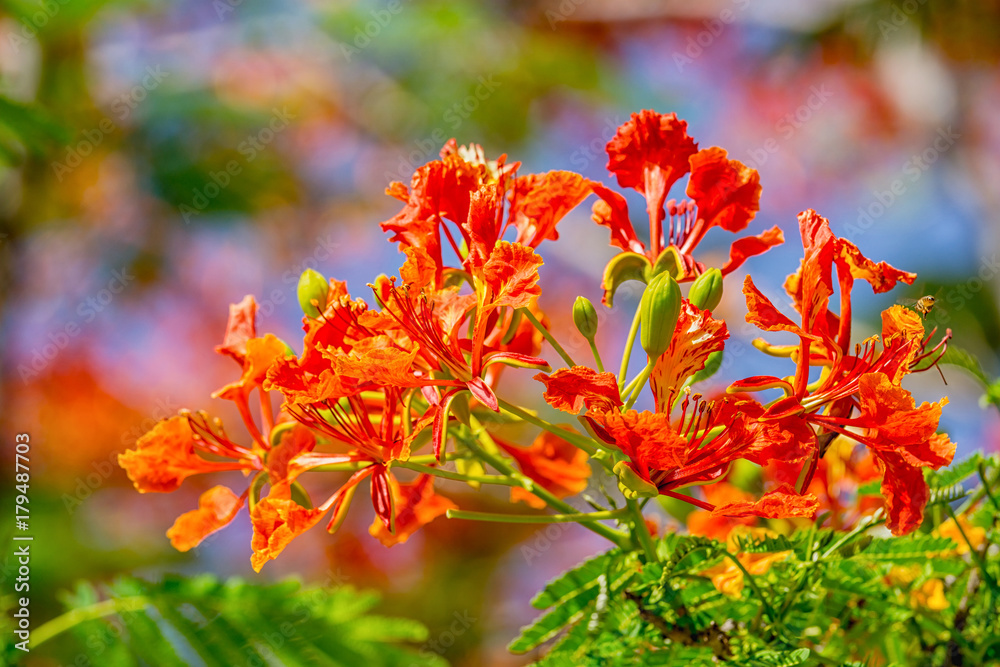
[975, 534]
[166, 456]
[900, 436]
[554, 464]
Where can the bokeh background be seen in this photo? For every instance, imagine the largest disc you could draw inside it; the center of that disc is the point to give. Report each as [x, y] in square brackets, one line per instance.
[123, 239]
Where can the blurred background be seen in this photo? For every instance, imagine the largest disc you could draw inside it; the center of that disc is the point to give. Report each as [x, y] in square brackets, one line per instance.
[158, 161]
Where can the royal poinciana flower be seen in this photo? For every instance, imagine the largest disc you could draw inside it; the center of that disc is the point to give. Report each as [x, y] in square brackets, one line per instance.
[649, 154]
[900, 435]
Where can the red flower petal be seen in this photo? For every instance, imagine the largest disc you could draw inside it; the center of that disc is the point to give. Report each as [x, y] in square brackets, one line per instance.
[611, 211]
[276, 522]
[570, 389]
[762, 313]
[240, 328]
[727, 192]
[540, 201]
[748, 246]
[511, 273]
[781, 503]
[216, 508]
[648, 142]
[905, 491]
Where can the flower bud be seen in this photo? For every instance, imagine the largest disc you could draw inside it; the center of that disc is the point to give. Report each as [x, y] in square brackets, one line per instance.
[313, 288]
[706, 291]
[631, 485]
[585, 317]
[658, 312]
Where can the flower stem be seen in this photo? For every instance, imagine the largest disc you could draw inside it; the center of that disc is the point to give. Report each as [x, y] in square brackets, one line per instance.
[548, 336]
[597, 356]
[640, 382]
[577, 517]
[640, 531]
[64, 622]
[986, 486]
[973, 552]
[627, 353]
[575, 439]
[616, 537]
[457, 476]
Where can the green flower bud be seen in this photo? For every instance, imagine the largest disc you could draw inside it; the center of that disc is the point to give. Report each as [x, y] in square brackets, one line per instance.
[313, 288]
[585, 317]
[658, 312]
[631, 485]
[706, 291]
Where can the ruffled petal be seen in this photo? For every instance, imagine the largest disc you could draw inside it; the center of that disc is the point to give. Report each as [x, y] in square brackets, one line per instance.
[727, 192]
[276, 522]
[511, 273]
[240, 328]
[572, 389]
[539, 201]
[781, 503]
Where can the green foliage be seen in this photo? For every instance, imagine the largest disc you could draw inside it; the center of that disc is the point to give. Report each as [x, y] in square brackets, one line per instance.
[826, 598]
[183, 621]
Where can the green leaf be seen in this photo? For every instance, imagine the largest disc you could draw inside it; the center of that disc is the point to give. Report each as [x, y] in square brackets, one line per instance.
[904, 549]
[781, 658]
[956, 356]
[570, 583]
[184, 621]
[954, 474]
[712, 366]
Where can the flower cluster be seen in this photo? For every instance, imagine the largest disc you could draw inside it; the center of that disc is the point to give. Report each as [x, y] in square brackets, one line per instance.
[405, 388]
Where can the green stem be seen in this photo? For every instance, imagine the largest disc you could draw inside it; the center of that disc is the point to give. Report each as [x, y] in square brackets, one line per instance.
[577, 440]
[876, 519]
[457, 476]
[986, 485]
[62, 623]
[616, 537]
[973, 552]
[640, 382]
[577, 517]
[597, 355]
[640, 531]
[548, 336]
[627, 354]
[749, 578]
[358, 465]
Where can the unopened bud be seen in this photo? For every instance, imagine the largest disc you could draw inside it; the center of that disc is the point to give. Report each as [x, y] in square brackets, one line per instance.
[658, 312]
[313, 288]
[585, 317]
[706, 291]
[631, 485]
